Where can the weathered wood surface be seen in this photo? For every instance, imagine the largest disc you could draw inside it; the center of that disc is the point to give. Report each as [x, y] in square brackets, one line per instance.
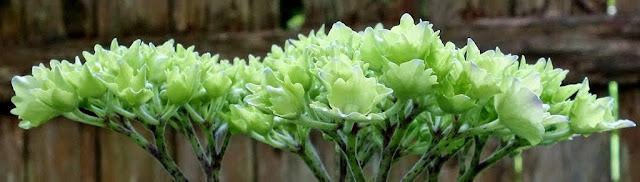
[12, 150]
[11, 22]
[56, 151]
[575, 34]
[123, 160]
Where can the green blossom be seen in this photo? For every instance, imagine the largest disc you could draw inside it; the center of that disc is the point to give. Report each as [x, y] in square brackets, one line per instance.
[245, 119]
[43, 96]
[409, 80]
[128, 84]
[354, 98]
[521, 111]
[217, 84]
[589, 114]
[282, 98]
[182, 85]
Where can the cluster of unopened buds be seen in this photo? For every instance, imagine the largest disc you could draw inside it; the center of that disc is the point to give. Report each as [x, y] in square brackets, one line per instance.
[379, 93]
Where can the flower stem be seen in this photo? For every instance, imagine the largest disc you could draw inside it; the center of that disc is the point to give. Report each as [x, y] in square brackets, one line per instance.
[420, 165]
[473, 171]
[163, 152]
[160, 153]
[434, 168]
[342, 164]
[213, 167]
[389, 152]
[188, 132]
[310, 157]
[350, 155]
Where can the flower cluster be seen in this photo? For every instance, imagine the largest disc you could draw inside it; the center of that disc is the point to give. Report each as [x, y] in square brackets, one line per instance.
[400, 91]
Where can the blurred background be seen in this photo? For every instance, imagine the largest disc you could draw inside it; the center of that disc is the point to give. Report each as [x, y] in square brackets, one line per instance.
[576, 34]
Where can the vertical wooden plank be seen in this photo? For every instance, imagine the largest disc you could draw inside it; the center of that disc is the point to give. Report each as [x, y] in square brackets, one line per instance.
[117, 17]
[326, 151]
[56, 151]
[528, 7]
[89, 156]
[189, 15]
[580, 159]
[443, 13]
[187, 160]
[493, 8]
[318, 12]
[228, 15]
[559, 8]
[278, 165]
[11, 27]
[295, 168]
[630, 137]
[11, 148]
[123, 160]
[449, 171]
[44, 19]
[78, 18]
[502, 171]
[270, 163]
[238, 163]
[402, 166]
[628, 6]
[264, 15]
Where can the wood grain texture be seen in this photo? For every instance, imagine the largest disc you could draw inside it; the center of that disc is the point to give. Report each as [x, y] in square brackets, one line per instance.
[56, 151]
[265, 15]
[189, 15]
[79, 18]
[12, 149]
[123, 160]
[11, 22]
[44, 21]
[630, 137]
[239, 162]
[124, 17]
[186, 159]
[628, 7]
[581, 159]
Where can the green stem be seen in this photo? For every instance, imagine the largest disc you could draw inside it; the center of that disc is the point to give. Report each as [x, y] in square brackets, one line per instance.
[141, 112]
[189, 132]
[79, 116]
[615, 134]
[346, 143]
[390, 151]
[121, 111]
[419, 166]
[434, 168]
[308, 122]
[342, 164]
[160, 154]
[473, 171]
[193, 113]
[352, 160]
[517, 167]
[213, 172]
[163, 152]
[310, 157]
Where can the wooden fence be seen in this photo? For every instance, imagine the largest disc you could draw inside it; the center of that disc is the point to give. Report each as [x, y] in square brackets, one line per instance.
[576, 34]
